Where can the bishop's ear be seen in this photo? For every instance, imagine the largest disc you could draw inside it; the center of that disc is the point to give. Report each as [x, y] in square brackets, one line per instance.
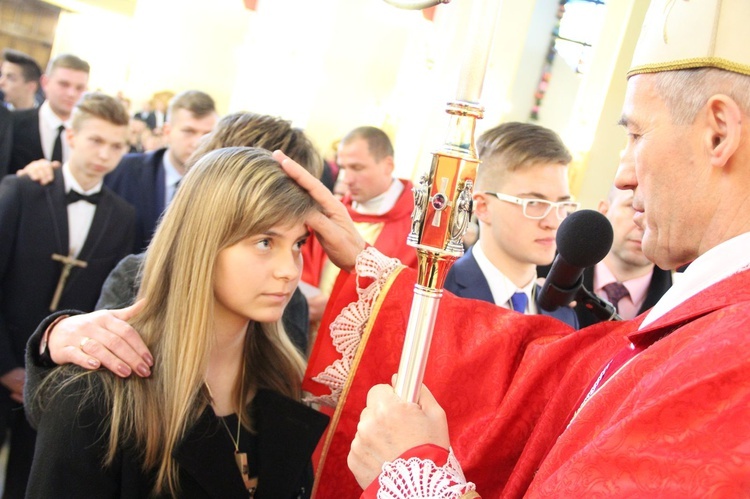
[724, 120]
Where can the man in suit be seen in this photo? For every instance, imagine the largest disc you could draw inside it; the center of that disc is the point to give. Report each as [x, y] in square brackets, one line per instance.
[39, 136]
[625, 277]
[19, 80]
[520, 198]
[148, 181]
[58, 243]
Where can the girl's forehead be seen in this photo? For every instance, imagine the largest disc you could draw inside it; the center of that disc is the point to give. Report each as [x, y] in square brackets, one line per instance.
[292, 230]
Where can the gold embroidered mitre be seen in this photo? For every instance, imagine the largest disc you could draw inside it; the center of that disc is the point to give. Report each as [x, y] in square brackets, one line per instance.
[684, 34]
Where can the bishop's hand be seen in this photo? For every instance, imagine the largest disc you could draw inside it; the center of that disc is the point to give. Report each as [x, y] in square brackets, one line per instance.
[332, 225]
[390, 426]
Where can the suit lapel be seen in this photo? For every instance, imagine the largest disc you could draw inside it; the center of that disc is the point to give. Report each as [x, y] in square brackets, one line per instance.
[37, 137]
[159, 202]
[564, 314]
[151, 185]
[540, 310]
[472, 281]
[58, 210]
[29, 129]
[99, 223]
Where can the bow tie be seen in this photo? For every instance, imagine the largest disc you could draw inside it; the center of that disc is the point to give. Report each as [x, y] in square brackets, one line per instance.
[73, 196]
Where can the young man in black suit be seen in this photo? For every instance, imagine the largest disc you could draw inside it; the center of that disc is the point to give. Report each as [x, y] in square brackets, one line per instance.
[39, 134]
[149, 180]
[58, 243]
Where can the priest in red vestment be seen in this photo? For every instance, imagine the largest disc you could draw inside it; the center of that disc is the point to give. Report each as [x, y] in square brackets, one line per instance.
[379, 204]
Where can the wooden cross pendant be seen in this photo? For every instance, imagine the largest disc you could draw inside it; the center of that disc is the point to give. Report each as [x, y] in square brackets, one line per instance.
[68, 263]
[250, 483]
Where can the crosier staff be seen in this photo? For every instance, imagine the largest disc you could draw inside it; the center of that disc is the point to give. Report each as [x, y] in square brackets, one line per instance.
[442, 198]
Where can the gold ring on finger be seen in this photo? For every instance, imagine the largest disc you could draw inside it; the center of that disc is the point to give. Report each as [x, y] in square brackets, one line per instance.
[84, 340]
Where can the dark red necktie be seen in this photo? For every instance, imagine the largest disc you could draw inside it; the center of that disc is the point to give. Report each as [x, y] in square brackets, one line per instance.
[616, 291]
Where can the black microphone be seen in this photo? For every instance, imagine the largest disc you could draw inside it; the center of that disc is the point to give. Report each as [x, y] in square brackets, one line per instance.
[583, 239]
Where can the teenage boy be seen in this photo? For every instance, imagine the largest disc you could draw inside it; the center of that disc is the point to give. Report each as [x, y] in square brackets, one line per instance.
[520, 198]
[58, 243]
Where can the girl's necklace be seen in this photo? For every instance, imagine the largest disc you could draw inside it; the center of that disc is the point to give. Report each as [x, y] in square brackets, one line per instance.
[239, 457]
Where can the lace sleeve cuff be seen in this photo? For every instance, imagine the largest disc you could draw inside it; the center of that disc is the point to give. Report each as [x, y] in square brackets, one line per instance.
[417, 478]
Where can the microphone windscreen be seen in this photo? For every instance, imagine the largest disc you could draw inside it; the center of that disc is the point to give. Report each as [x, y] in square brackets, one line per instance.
[584, 238]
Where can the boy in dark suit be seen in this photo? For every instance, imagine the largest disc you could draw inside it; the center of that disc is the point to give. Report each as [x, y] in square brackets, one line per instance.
[520, 198]
[39, 134]
[58, 243]
[149, 180]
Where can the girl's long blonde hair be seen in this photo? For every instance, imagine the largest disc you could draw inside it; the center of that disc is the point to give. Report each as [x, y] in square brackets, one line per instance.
[228, 195]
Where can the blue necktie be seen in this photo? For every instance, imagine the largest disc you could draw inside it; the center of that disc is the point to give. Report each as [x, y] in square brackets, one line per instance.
[519, 300]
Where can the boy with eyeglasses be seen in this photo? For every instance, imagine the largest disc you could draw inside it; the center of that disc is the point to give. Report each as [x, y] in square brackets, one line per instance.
[520, 198]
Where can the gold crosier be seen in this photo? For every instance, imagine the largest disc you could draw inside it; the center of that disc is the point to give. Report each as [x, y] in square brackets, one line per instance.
[442, 197]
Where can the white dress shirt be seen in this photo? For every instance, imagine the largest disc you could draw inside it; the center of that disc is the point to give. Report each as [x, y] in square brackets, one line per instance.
[501, 287]
[80, 213]
[171, 179]
[380, 205]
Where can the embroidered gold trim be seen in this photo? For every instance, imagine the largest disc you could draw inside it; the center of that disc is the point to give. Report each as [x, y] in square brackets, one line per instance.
[353, 369]
[693, 63]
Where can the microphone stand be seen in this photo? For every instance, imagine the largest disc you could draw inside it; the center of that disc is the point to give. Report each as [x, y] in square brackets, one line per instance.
[601, 308]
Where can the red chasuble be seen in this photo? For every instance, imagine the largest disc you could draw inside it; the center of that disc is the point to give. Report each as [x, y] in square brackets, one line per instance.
[391, 241]
[674, 422]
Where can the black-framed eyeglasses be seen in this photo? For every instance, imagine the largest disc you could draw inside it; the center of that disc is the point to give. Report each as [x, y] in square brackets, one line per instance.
[537, 209]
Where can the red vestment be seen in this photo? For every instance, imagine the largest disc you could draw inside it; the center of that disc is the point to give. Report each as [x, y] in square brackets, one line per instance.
[674, 422]
[391, 241]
